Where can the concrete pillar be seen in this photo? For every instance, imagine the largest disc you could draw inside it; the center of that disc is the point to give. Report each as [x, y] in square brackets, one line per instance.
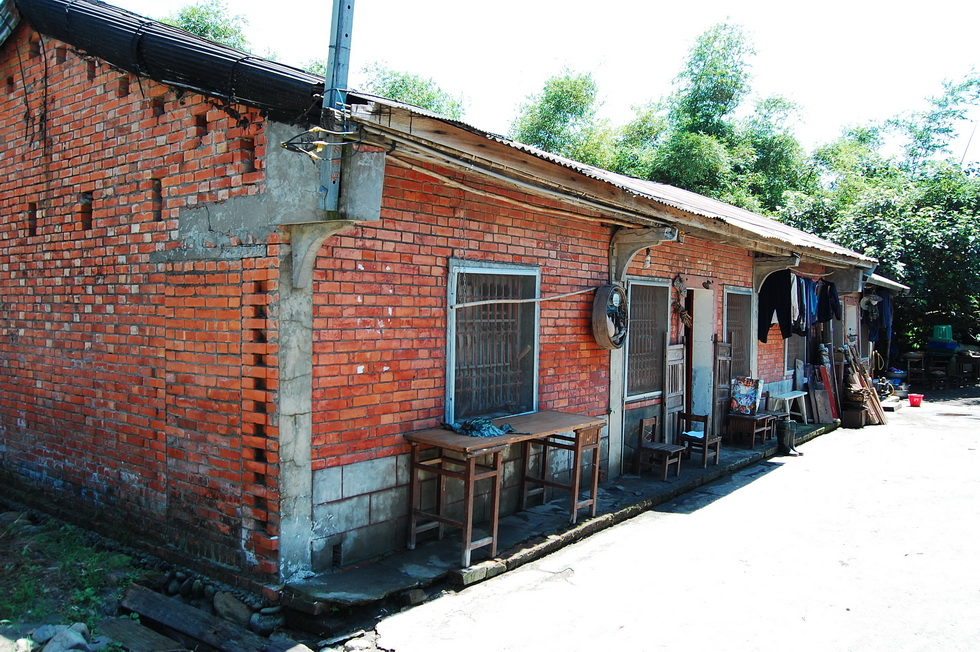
[295, 422]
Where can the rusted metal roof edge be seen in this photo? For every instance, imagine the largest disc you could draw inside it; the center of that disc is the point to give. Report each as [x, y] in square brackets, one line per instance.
[751, 225]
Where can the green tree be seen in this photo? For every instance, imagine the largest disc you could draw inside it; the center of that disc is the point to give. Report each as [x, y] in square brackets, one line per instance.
[210, 19]
[636, 143]
[777, 163]
[713, 81]
[561, 119]
[694, 138]
[930, 132]
[410, 89]
[916, 212]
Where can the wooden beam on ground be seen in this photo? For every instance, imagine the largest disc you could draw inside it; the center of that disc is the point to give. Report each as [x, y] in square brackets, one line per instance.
[136, 638]
[212, 630]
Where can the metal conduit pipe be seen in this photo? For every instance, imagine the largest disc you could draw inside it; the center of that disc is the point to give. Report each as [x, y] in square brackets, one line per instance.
[633, 220]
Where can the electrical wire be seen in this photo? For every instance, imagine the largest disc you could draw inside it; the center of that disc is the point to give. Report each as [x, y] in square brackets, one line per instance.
[457, 306]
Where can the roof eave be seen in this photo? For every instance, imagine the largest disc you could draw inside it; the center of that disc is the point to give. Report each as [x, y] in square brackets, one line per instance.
[481, 150]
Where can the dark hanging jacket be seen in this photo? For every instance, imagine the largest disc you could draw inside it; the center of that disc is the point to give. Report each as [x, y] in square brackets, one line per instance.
[828, 302]
[774, 297]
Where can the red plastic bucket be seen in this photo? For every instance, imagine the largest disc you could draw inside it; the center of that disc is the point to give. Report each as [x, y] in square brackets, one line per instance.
[915, 400]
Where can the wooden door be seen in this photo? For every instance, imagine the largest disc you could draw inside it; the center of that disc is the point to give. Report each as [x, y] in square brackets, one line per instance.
[723, 384]
[675, 386]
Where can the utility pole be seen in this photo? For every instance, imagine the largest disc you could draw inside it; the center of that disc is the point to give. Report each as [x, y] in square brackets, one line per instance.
[334, 99]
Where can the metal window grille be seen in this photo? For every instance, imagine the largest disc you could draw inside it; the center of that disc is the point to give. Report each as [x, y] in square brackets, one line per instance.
[648, 322]
[495, 346]
[795, 350]
[738, 311]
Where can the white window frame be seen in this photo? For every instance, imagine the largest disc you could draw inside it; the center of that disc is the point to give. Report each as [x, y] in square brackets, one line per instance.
[666, 315]
[750, 328]
[457, 267]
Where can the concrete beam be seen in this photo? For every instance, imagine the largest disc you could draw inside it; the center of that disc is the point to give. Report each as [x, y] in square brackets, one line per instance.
[626, 243]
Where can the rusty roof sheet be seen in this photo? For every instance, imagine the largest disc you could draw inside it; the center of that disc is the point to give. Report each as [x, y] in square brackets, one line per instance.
[753, 224]
[761, 226]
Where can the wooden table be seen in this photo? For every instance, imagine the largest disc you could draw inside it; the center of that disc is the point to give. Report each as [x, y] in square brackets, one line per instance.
[753, 425]
[549, 429]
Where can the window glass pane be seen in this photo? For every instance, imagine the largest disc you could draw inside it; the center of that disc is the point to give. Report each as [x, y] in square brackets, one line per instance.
[738, 313]
[495, 346]
[647, 328]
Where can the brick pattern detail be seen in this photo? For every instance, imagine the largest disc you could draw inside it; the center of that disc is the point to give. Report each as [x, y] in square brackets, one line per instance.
[135, 391]
[260, 457]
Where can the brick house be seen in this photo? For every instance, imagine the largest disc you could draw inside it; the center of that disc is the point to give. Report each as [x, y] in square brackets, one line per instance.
[195, 352]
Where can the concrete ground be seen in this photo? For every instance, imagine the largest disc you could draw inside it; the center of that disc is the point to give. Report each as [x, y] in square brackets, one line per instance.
[868, 542]
[523, 537]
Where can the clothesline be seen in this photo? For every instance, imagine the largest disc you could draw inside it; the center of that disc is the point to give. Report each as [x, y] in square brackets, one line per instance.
[810, 275]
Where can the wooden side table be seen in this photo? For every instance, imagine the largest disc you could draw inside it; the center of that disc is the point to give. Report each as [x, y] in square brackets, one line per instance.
[582, 441]
[753, 425]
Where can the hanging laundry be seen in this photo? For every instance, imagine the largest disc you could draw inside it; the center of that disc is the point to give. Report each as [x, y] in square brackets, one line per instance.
[828, 302]
[799, 292]
[774, 298]
[879, 320]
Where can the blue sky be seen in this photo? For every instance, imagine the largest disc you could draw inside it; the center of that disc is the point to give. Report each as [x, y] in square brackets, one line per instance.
[844, 62]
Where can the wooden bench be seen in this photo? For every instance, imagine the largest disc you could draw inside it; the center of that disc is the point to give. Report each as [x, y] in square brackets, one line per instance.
[793, 403]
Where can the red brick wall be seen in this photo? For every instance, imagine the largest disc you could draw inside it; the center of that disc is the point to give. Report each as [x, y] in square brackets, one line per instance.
[380, 312]
[726, 265]
[130, 388]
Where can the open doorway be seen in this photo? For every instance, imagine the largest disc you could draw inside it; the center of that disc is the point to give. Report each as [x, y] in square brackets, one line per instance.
[701, 351]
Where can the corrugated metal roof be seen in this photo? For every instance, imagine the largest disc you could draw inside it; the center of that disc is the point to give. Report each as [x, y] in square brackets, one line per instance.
[763, 227]
[758, 226]
[8, 19]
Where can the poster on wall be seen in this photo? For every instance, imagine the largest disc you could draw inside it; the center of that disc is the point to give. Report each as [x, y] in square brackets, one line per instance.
[746, 394]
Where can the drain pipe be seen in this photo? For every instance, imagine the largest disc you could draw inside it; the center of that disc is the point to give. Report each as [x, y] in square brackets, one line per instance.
[334, 101]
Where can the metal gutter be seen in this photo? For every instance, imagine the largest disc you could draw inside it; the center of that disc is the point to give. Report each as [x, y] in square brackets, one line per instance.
[9, 18]
[172, 56]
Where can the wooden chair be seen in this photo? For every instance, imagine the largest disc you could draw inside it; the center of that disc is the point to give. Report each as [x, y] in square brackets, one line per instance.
[653, 453]
[698, 440]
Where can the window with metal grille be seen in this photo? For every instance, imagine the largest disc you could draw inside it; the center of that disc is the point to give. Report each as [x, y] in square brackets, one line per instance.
[738, 325]
[795, 350]
[493, 358]
[649, 320]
